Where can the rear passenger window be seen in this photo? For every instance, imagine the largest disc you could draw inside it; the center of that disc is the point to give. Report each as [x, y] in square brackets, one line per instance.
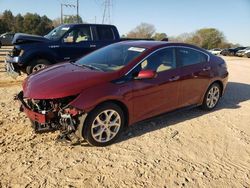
[105, 33]
[187, 56]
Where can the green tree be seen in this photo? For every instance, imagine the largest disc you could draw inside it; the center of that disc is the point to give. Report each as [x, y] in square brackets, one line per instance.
[56, 22]
[160, 36]
[44, 26]
[3, 27]
[144, 30]
[31, 22]
[8, 19]
[72, 19]
[18, 27]
[34, 24]
[207, 38]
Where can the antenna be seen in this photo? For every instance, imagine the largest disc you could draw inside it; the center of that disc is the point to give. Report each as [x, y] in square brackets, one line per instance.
[106, 18]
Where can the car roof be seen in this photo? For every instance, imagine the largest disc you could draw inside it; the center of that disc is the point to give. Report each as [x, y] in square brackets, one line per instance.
[88, 24]
[156, 44]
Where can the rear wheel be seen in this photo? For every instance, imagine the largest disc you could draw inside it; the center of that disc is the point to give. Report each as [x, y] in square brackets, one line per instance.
[212, 97]
[37, 65]
[104, 125]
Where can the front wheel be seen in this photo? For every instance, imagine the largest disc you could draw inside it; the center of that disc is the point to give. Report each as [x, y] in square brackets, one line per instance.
[104, 125]
[37, 65]
[212, 97]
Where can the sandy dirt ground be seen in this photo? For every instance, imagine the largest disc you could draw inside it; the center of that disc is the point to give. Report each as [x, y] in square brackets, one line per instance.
[190, 148]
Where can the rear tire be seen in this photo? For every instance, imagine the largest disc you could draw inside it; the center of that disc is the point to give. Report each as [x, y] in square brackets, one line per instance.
[212, 97]
[104, 125]
[37, 65]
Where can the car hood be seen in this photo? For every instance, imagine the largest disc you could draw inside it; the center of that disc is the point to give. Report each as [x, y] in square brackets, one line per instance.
[62, 80]
[21, 38]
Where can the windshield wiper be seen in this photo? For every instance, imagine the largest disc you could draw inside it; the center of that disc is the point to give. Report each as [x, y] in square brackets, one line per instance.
[92, 67]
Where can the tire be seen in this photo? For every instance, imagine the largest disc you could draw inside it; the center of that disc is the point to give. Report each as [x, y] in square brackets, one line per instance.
[98, 133]
[212, 97]
[0, 44]
[232, 54]
[36, 65]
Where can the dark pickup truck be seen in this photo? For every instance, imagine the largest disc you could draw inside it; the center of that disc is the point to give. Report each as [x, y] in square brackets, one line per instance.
[64, 43]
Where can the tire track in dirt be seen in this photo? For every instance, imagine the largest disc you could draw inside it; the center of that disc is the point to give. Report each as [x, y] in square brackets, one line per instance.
[10, 83]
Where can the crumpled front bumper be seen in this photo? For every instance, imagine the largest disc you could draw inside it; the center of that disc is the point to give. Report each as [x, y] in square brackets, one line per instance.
[11, 66]
[33, 116]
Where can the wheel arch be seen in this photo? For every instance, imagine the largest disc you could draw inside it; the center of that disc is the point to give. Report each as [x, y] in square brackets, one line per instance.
[44, 56]
[214, 81]
[220, 83]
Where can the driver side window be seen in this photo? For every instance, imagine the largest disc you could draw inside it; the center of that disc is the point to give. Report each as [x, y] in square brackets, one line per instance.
[78, 35]
[160, 61]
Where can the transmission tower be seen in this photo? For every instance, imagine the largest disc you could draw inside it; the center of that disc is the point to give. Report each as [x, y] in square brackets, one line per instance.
[106, 18]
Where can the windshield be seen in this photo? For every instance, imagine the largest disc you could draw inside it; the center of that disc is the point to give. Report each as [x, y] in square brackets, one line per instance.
[111, 58]
[57, 33]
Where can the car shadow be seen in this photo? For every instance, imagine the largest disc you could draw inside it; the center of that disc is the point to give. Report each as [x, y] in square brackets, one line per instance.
[235, 94]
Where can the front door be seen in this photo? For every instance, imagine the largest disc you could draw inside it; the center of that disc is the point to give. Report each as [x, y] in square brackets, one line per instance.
[77, 43]
[160, 94]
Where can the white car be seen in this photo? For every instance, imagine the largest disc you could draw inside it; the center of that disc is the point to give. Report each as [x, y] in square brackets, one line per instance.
[242, 53]
[215, 51]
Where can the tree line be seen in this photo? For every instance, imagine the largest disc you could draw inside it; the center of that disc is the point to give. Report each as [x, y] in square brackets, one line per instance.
[207, 38]
[30, 23]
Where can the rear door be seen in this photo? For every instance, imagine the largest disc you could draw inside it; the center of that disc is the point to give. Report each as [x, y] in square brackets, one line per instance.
[160, 94]
[195, 74]
[104, 35]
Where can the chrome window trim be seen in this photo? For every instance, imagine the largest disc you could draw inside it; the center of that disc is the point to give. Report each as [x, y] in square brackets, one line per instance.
[208, 56]
[91, 32]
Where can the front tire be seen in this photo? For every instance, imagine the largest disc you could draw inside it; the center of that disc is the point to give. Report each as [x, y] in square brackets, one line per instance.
[37, 65]
[104, 125]
[212, 97]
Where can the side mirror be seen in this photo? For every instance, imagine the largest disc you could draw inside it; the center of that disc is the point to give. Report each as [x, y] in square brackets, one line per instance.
[146, 74]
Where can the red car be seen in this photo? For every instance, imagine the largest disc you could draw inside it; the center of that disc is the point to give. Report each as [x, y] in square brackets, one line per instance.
[97, 96]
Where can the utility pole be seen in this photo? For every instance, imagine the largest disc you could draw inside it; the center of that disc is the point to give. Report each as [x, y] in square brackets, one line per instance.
[70, 6]
[77, 10]
[61, 13]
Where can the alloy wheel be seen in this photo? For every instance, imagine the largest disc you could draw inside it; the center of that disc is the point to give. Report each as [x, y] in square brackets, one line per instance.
[213, 96]
[105, 126]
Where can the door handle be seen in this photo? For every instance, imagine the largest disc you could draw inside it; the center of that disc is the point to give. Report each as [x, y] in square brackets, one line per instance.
[174, 78]
[206, 68]
[92, 46]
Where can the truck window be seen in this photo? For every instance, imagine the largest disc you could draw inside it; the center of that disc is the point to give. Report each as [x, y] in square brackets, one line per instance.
[78, 35]
[105, 33]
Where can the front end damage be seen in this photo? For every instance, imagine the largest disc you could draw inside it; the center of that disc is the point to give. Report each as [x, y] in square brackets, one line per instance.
[48, 115]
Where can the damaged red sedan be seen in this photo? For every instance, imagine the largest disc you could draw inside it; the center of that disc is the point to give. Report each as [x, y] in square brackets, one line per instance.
[97, 96]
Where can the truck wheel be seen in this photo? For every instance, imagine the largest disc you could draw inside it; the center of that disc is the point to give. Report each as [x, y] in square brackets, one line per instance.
[104, 125]
[37, 65]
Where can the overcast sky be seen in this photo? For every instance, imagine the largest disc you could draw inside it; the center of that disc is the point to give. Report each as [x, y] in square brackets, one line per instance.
[173, 17]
